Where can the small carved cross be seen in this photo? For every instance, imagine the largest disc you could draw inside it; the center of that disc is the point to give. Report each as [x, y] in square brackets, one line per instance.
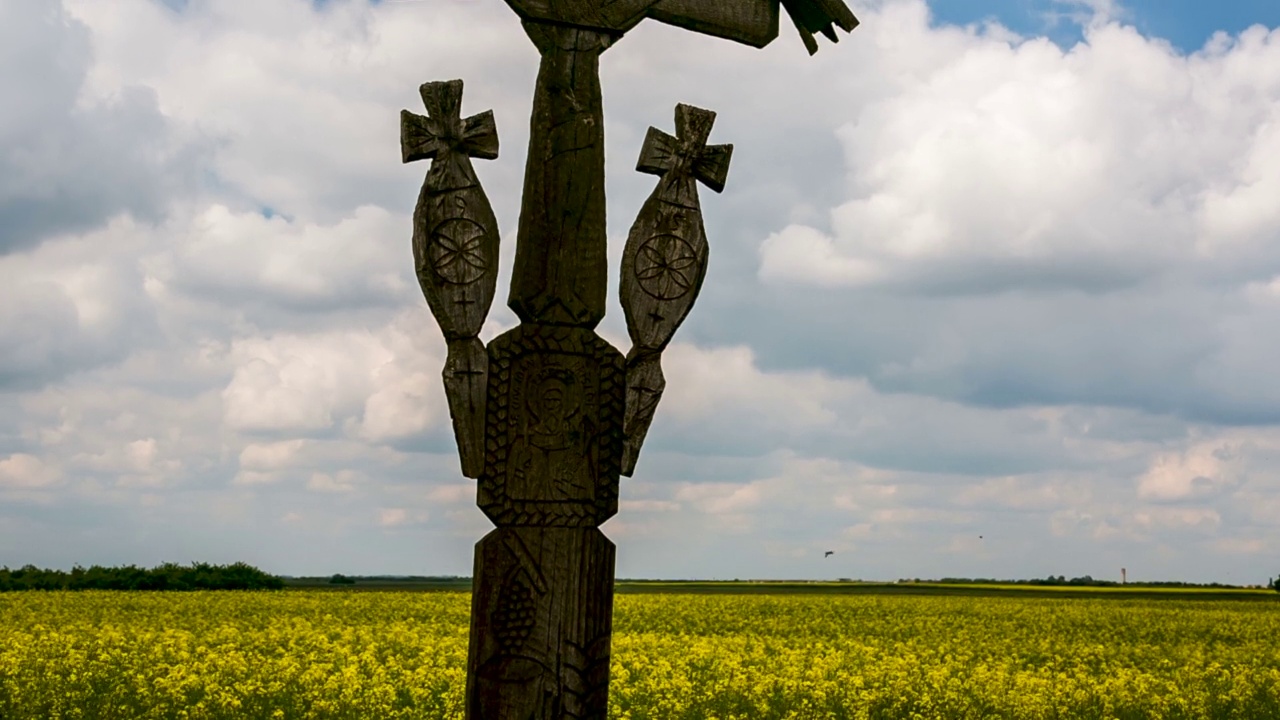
[688, 151]
[467, 370]
[443, 132]
[646, 391]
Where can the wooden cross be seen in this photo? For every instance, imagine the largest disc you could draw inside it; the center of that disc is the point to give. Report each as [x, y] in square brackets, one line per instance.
[687, 153]
[665, 259]
[455, 249]
[541, 652]
[425, 138]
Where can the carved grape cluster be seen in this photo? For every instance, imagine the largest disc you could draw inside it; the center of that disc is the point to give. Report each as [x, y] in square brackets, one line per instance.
[514, 619]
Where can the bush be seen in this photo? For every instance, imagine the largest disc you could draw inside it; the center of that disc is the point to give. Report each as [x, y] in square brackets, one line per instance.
[340, 579]
[169, 576]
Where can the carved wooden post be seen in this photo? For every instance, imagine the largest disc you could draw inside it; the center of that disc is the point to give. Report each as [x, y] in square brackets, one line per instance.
[455, 248]
[550, 415]
[665, 259]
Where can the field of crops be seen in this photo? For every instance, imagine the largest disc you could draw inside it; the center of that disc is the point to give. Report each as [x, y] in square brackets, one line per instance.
[307, 654]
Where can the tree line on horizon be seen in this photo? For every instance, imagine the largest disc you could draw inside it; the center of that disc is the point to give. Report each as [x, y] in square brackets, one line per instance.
[242, 576]
[167, 576]
[1087, 581]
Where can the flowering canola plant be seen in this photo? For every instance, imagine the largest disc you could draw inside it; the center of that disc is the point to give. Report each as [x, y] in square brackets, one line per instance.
[334, 654]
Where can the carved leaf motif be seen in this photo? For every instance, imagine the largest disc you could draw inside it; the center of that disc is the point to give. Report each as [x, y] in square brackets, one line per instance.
[541, 654]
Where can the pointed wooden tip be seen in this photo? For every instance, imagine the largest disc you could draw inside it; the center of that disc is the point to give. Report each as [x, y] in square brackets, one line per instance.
[694, 123]
[443, 99]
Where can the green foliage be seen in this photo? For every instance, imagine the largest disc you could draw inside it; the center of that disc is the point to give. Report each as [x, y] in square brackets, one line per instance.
[1086, 581]
[340, 579]
[169, 576]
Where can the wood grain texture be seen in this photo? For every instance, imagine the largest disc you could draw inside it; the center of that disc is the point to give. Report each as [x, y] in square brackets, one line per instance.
[466, 370]
[753, 22]
[541, 621]
[819, 16]
[553, 428]
[564, 413]
[614, 16]
[561, 267]
[455, 233]
[665, 259]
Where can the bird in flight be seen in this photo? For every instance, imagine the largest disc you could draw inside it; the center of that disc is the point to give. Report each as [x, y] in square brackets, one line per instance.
[829, 553]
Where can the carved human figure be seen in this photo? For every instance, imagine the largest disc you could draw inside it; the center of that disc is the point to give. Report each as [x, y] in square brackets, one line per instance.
[553, 428]
[551, 459]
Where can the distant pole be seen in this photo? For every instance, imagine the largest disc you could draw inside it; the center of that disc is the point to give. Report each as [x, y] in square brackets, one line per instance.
[1124, 580]
[549, 415]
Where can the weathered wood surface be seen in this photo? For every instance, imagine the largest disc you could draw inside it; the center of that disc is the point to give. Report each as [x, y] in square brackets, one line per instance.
[561, 267]
[755, 22]
[645, 385]
[541, 623]
[819, 16]
[665, 259]
[553, 428]
[455, 248]
[455, 234]
[614, 16]
[466, 371]
[564, 413]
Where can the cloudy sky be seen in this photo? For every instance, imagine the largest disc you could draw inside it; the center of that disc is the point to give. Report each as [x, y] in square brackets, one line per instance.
[982, 268]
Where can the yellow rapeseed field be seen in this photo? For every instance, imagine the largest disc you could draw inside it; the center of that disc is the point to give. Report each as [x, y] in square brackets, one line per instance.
[317, 654]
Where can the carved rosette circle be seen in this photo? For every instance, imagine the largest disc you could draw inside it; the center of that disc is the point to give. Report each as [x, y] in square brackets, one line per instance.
[666, 267]
[455, 251]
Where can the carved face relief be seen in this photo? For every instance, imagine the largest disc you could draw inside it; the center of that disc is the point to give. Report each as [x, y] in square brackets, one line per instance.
[554, 405]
